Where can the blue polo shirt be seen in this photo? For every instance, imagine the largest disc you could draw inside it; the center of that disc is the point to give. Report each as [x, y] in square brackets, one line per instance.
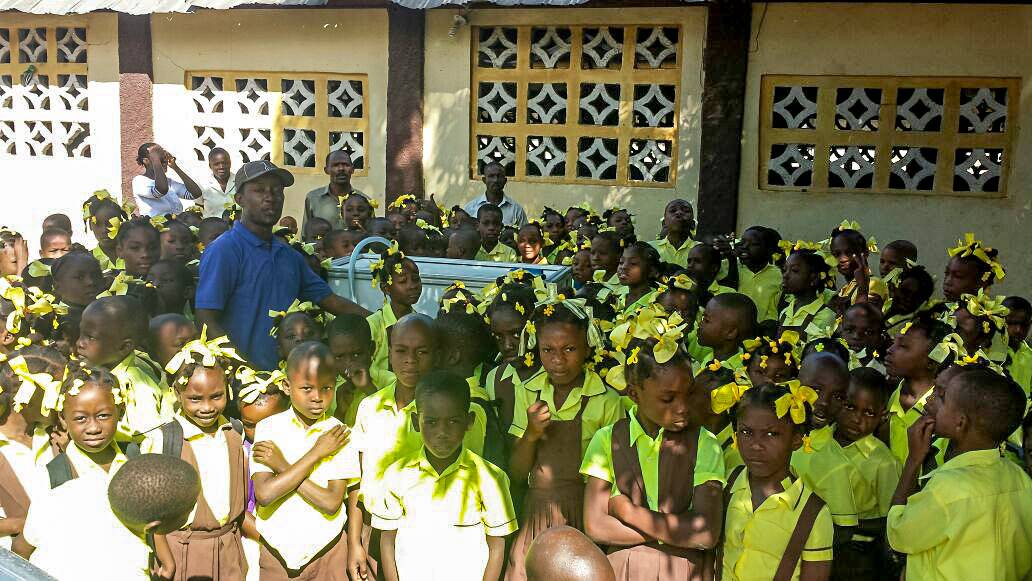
[245, 277]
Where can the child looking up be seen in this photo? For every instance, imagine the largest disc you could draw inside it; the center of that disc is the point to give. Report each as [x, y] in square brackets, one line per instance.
[54, 243]
[109, 333]
[138, 244]
[805, 284]
[896, 254]
[530, 243]
[351, 344]
[398, 279]
[489, 220]
[301, 466]
[972, 266]
[758, 277]
[862, 412]
[175, 286]
[209, 545]
[775, 522]
[101, 213]
[972, 519]
[77, 278]
[606, 251]
[654, 478]
[167, 334]
[445, 511]
[638, 272]
[1019, 320]
[679, 224]
[556, 413]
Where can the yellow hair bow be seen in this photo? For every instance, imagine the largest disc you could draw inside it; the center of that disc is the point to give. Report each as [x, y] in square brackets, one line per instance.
[120, 285]
[160, 223]
[254, 383]
[38, 270]
[795, 401]
[400, 201]
[727, 396]
[115, 224]
[30, 382]
[424, 225]
[295, 307]
[681, 281]
[208, 352]
[969, 246]
[984, 306]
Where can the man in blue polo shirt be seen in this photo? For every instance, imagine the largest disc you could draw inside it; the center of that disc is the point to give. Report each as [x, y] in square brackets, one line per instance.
[247, 272]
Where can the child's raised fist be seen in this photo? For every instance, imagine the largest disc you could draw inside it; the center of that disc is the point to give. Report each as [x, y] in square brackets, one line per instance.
[539, 417]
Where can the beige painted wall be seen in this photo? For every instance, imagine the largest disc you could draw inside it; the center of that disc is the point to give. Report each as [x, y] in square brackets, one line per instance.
[446, 108]
[326, 41]
[34, 187]
[891, 39]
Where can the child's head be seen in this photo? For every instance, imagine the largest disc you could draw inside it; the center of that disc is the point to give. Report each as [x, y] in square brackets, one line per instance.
[413, 348]
[573, 213]
[833, 345]
[154, 493]
[562, 342]
[864, 409]
[620, 221]
[553, 224]
[509, 313]
[58, 222]
[397, 219]
[98, 211]
[912, 289]
[413, 240]
[827, 375]
[311, 377]
[909, 355]
[260, 394]
[442, 413]
[9, 242]
[167, 334]
[977, 331]
[463, 244]
[356, 211]
[489, 223]
[398, 278]
[317, 229]
[111, 327]
[174, 283]
[340, 243]
[382, 227]
[679, 217]
[703, 264]
[639, 265]
[296, 326]
[765, 439]
[54, 243]
[606, 251]
[566, 554]
[582, 267]
[1019, 320]
[351, 343]
[972, 266]
[895, 255]
[91, 405]
[757, 245]
[210, 229]
[139, 245]
[39, 366]
[660, 390]
[191, 217]
[846, 245]
[202, 390]
[729, 319]
[177, 242]
[465, 341]
[529, 242]
[805, 272]
[680, 295]
[290, 223]
[78, 278]
[979, 407]
[863, 328]
[772, 360]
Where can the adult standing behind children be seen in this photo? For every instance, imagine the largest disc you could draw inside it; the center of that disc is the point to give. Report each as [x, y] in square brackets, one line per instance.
[157, 194]
[247, 272]
[218, 190]
[325, 202]
[494, 193]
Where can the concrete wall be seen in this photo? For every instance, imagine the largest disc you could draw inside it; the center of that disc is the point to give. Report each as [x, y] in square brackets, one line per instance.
[897, 39]
[446, 129]
[34, 187]
[325, 41]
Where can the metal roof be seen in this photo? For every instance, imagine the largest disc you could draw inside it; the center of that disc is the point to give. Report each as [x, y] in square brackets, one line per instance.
[162, 6]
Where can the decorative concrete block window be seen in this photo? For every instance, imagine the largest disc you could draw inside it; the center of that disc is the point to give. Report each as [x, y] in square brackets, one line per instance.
[887, 135]
[577, 104]
[44, 101]
[291, 119]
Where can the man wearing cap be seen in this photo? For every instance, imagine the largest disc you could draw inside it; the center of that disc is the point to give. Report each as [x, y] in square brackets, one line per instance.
[247, 272]
[324, 202]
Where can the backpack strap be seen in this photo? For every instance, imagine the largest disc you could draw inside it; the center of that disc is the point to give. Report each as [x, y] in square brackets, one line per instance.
[794, 549]
[238, 426]
[172, 439]
[60, 470]
[731, 478]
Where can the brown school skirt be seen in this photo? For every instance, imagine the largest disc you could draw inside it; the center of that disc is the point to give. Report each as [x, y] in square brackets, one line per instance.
[645, 563]
[544, 509]
[203, 555]
[330, 564]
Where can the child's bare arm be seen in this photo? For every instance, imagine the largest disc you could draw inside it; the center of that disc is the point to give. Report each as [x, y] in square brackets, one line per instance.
[357, 566]
[390, 566]
[495, 558]
[268, 488]
[164, 565]
[328, 499]
[699, 528]
[11, 526]
[21, 547]
[249, 527]
[602, 527]
[814, 570]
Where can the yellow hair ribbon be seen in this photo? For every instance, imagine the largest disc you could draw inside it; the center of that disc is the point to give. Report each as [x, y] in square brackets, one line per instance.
[795, 401]
[254, 383]
[727, 396]
[206, 352]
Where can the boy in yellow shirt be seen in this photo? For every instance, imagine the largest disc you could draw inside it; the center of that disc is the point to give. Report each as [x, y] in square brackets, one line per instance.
[489, 218]
[1019, 320]
[973, 517]
[444, 511]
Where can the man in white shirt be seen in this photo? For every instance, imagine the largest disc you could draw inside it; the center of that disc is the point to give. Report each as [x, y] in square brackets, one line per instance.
[218, 190]
[157, 194]
[494, 179]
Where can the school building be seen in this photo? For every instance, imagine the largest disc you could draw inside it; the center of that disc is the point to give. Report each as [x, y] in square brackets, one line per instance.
[905, 117]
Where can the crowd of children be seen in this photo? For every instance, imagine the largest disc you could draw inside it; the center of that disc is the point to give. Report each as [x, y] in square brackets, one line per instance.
[689, 407]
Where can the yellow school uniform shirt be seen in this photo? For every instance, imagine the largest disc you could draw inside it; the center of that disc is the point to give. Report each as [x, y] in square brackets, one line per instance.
[1021, 366]
[828, 471]
[379, 325]
[674, 254]
[293, 527]
[443, 520]
[879, 474]
[500, 253]
[383, 433]
[643, 301]
[598, 459]
[755, 540]
[75, 532]
[150, 399]
[763, 287]
[602, 405]
[972, 520]
[823, 318]
[900, 421]
[212, 453]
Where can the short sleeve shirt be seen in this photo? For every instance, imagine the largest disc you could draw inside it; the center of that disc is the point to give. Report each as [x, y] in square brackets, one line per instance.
[245, 277]
[821, 317]
[150, 400]
[215, 198]
[598, 459]
[879, 474]
[763, 287]
[500, 253]
[829, 472]
[380, 323]
[154, 203]
[513, 214]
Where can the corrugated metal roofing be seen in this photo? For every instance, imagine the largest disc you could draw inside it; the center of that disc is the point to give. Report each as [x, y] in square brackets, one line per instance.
[157, 6]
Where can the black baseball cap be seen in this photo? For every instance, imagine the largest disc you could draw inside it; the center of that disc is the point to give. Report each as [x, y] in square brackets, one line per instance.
[253, 170]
